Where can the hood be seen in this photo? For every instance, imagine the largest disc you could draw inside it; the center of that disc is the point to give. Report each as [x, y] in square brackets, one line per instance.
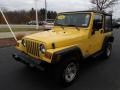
[61, 37]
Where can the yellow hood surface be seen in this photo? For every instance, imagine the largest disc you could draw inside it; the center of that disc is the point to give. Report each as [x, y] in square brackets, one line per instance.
[61, 37]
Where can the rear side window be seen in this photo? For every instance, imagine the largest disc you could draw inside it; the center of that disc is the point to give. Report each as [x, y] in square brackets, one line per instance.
[98, 18]
[108, 23]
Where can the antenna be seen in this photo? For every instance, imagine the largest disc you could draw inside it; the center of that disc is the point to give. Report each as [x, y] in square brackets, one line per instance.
[37, 25]
[8, 25]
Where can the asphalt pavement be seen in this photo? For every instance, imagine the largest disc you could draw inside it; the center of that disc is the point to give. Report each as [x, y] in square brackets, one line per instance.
[95, 73]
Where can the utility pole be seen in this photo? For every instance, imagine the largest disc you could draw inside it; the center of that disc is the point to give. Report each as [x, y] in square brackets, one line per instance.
[45, 10]
[37, 24]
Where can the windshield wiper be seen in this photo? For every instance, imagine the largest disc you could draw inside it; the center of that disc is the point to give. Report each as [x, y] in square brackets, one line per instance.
[77, 27]
[61, 25]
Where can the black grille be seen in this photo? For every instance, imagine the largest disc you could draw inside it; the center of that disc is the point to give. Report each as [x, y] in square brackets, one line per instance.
[32, 47]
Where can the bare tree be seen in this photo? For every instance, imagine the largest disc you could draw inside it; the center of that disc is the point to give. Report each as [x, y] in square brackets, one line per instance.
[102, 5]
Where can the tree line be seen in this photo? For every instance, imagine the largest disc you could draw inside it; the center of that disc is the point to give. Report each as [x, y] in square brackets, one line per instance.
[22, 16]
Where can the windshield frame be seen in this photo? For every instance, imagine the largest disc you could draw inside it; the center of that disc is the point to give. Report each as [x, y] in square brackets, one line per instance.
[74, 13]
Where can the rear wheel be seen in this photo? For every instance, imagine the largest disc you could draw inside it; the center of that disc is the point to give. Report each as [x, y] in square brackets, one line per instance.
[107, 50]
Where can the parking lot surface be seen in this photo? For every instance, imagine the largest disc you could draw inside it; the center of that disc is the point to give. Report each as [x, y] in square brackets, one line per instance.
[95, 73]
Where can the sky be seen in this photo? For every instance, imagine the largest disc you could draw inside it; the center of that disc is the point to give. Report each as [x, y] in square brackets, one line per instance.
[56, 5]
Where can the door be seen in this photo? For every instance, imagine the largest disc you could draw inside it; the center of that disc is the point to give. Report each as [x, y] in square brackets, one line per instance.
[97, 34]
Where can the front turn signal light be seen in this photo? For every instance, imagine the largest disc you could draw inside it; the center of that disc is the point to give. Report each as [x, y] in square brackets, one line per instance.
[48, 55]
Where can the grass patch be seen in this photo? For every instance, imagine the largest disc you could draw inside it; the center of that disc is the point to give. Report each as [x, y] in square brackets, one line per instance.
[18, 29]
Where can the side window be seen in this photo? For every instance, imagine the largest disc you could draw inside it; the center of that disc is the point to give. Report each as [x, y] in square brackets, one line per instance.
[98, 22]
[108, 23]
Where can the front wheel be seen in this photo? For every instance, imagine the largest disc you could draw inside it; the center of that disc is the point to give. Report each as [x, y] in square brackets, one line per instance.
[67, 72]
[70, 72]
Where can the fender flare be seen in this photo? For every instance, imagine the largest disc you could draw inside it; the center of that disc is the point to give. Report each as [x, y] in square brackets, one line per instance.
[106, 40]
[109, 39]
[68, 52]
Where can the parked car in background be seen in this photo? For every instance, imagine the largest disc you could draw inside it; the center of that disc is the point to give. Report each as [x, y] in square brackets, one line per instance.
[50, 21]
[115, 24]
[32, 22]
[42, 22]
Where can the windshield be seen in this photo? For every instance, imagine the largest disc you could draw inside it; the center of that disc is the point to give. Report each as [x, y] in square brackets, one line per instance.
[77, 19]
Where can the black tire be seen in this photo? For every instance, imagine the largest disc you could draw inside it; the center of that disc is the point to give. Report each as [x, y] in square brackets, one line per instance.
[67, 72]
[107, 51]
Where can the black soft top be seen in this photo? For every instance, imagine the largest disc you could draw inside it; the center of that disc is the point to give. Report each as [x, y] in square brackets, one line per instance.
[88, 11]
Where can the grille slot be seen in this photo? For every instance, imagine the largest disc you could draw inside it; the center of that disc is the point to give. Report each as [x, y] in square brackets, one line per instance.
[32, 48]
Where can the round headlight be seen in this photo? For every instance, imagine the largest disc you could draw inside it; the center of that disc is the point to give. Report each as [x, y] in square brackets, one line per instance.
[23, 43]
[42, 48]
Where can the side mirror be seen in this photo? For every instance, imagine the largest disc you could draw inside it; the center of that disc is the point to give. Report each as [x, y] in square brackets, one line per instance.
[97, 25]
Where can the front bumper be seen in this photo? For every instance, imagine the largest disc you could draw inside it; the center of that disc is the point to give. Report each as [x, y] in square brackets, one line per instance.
[25, 59]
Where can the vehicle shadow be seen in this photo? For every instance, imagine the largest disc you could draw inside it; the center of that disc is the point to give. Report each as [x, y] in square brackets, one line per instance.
[46, 79]
[91, 62]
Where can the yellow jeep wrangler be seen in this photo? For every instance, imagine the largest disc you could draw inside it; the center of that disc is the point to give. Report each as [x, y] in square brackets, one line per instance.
[74, 37]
